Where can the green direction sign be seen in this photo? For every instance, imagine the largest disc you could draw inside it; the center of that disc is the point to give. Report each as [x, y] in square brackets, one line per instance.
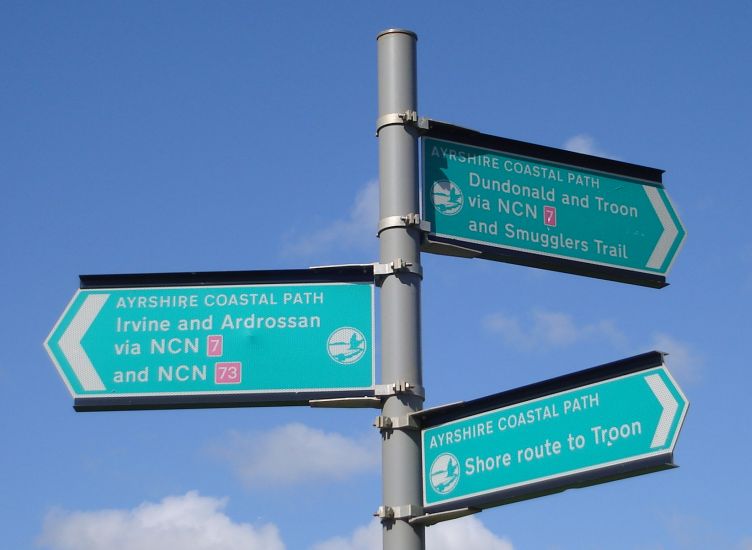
[622, 426]
[549, 208]
[216, 345]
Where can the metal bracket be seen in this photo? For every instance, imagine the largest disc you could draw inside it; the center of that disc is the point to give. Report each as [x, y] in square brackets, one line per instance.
[408, 220]
[396, 423]
[446, 249]
[387, 390]
[437, 517]
[396, 266]
[406, 511]
[410, 118]
[347, 403]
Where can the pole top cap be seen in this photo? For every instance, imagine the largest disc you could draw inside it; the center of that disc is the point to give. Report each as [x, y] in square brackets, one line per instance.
[397, 31]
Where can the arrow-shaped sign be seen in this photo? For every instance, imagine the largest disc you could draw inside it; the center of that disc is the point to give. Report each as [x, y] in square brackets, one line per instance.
[522, 203]
[610, 422]
[275, 342]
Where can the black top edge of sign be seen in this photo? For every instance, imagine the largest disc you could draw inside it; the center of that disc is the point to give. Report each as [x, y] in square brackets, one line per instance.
[444, 130]
[330, 274]
[440, 415]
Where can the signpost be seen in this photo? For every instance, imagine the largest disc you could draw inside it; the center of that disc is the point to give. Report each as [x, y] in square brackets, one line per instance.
[521, 203]
[605, 423]
[293, 337]
[271, 341]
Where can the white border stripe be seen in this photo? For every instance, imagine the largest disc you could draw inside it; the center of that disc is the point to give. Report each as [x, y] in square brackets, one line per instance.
[669, 405]
[670, 231]
[70, 342]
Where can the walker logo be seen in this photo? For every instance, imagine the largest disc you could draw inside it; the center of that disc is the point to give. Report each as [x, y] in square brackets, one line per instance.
[447, 197]
[445, 473]
[346, 345]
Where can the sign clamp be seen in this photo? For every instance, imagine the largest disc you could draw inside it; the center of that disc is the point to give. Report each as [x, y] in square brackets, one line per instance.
[407, 118]
[397, 388]
[408, 220]
[380, 392]
[405, 512]
[396, 266]
[386, 423]
[415, 515]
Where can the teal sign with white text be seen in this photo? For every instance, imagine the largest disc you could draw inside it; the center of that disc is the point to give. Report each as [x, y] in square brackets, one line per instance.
[550, 211]
[248, 340]
[597, 432]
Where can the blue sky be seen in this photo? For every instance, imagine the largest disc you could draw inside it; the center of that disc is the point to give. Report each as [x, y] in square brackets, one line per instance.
[191, 136]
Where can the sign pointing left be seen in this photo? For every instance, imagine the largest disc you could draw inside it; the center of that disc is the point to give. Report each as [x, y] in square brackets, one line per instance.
[276, 342]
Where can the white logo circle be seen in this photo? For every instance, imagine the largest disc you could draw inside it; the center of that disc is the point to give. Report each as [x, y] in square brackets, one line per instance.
[447, 197]
[445, 473]
[346, 345]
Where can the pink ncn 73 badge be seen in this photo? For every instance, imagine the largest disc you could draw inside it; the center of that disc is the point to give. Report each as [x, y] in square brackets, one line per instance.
[228, 373]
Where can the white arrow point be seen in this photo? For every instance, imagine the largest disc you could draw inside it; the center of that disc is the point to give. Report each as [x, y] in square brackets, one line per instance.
[70, 342]
[670, 406]
[670, 231]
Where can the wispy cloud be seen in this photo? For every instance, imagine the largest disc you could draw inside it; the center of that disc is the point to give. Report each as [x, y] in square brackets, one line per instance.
[188, 522]
[356, 232]
[584, 143]
[549, 329]
[458, 534]
[683, 361]
[296, 453]
[367, 537]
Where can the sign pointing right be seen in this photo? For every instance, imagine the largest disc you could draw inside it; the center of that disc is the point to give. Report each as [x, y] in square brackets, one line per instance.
[606, 423]
[506, 200]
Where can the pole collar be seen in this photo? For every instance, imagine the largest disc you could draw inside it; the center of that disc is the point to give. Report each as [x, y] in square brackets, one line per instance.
[408, 118]
[398, 265]
[406, 511]
[397, 388]
[408, 220]
[386, 423]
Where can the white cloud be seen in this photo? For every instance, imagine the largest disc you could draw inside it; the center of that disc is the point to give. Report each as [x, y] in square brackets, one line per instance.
[464, 533]
[549, 329]
[296, 453]
[683, 361]
[356, 232]
[460, 534]
[583, 143]
[188, 522]
[367, 537]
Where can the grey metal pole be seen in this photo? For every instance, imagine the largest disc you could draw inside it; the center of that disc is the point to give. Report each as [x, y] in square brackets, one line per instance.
[400, 290]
